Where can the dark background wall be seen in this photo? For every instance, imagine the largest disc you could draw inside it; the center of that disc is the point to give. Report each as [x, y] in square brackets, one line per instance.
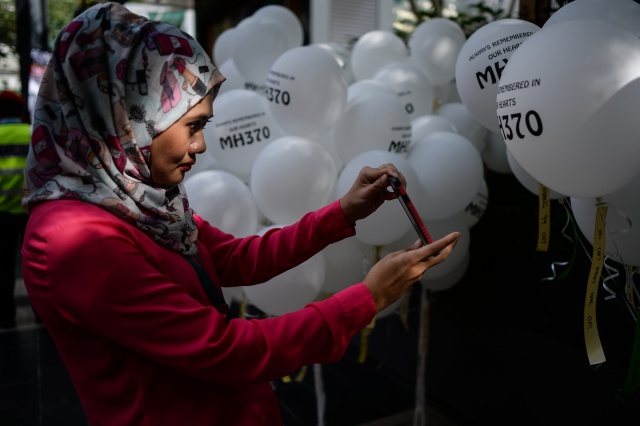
[508, 348]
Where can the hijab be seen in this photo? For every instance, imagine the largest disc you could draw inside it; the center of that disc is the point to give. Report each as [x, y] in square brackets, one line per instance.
[115, 81]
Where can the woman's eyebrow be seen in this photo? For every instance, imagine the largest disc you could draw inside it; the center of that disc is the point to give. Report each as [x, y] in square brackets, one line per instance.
[200, 117]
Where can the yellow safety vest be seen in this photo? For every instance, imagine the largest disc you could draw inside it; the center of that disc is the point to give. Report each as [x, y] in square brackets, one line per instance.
[14, 146]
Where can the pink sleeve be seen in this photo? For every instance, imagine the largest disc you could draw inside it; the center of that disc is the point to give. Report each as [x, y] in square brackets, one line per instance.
[125, 299]
[253, 260]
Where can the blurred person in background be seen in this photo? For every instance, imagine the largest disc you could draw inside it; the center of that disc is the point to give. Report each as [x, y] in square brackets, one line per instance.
[15, 136]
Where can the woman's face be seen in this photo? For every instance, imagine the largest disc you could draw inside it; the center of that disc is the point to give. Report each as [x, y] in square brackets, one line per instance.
[173, 152]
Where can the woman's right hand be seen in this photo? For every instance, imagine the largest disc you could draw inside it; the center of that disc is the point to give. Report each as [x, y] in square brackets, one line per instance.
[396, 273]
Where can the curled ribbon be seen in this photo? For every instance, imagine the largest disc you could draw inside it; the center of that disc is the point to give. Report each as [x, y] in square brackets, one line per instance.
[613, 274]
[630, 289]
[570, 262]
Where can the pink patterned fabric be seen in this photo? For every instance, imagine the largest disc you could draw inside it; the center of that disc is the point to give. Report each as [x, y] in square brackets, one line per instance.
[115, 81]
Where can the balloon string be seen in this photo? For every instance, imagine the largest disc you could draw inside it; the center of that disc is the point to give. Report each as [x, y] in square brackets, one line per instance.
[614, 232]
[612, 275]
[625, 303]
[630, 289]
[586, 250]
[570, 262]
[587, 253]
[624, 216]
[321, 399]
[612, 295]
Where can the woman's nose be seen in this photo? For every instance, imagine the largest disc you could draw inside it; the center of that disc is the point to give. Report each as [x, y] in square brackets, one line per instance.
[199, 145]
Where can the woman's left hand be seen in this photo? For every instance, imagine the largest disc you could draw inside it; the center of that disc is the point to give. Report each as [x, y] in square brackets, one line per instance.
[369, 191]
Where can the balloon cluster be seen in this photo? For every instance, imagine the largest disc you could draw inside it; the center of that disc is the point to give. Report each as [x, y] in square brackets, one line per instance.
[295, 123]
[564, 99]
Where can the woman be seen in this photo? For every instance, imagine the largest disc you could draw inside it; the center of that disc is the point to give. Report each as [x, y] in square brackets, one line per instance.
[123, 274]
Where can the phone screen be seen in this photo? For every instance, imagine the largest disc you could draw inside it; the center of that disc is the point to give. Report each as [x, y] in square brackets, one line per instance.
[410, 209]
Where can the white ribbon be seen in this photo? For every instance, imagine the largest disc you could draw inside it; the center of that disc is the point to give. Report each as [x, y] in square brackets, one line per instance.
[320, 396]
[420, 414]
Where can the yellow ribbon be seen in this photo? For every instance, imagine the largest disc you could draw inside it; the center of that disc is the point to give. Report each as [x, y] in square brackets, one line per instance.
[242, 308]
[404, 313]
[591, 336]
[364, 334]
[299, 377]
[629, 287]
[301, 374]
[544, 212]
[364, 341]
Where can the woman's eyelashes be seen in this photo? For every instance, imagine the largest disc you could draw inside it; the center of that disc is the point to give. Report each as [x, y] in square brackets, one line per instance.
[199, 125]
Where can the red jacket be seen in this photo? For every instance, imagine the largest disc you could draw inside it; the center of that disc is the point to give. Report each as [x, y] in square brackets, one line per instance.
[139, 336]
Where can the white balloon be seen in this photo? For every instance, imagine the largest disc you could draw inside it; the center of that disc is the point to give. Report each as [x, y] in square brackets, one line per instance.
[233, 293]
[328, 142]
[223, 47]
[424, 125]
[241, 128]
[410, 84]
[389, 222]
[566, 125]
[528, 181]
[450, 170]
[366, 87]
[494, 154]
[622, 13]
[452, 278]
[306, 91]
[446, 93]
[205, 161]
[439, 229]
[287, 19]
[481, 61]
[434, 46]
[395, 306]
[341, 55]
[256, 45]
[465, 123]
[375, 49]
[622, 233]
[347, 262]
[291, 290]
[356, 133]
[291, 177]
[234, 80]
[224, 201]
[477, 207]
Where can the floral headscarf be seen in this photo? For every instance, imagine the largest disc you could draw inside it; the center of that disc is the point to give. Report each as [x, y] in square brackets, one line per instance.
[115, 81]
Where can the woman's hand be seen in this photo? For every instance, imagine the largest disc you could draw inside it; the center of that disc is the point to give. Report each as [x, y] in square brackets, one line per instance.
[369, 191]
[394, 274]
